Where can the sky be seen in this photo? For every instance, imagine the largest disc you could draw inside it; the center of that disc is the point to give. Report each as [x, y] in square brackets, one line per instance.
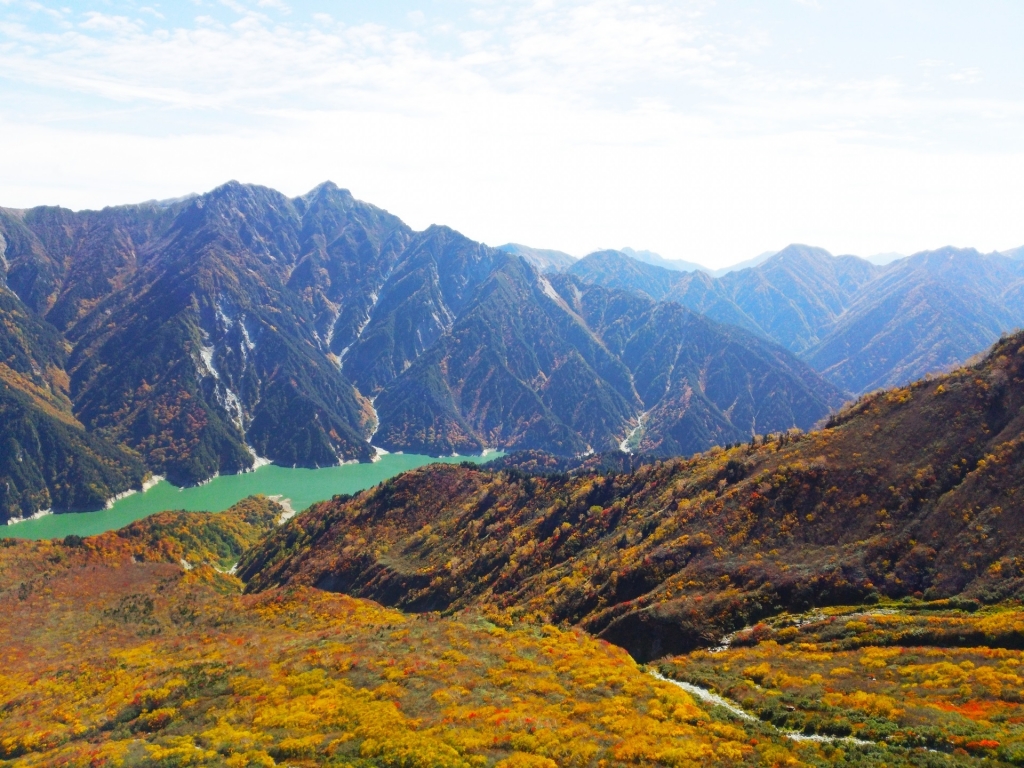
[706, 131]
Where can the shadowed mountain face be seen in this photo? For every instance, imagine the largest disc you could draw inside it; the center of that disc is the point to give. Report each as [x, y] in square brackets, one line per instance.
[517, 369]
[910, 491]
[208, 355]
[433, 285]
[47, 459]
[204, 333]
[861, 325]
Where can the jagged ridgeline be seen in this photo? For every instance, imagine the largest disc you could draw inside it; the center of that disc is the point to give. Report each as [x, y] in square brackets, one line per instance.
[916, 491]
[862, 326]
[189, 337]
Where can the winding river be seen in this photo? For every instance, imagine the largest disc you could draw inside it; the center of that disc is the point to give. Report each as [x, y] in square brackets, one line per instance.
[296, 488]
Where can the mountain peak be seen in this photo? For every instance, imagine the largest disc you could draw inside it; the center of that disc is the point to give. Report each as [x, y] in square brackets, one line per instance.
[800, 252]
[228, 187]
[326, 189]
[944, 257]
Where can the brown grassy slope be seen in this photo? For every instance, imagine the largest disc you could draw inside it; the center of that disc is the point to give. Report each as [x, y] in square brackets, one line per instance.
[911, 490]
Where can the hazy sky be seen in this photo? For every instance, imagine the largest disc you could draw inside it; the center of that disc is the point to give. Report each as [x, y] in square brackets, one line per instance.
[701, 130]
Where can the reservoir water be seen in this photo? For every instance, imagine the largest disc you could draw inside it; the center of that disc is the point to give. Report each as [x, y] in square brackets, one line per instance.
[299, 487]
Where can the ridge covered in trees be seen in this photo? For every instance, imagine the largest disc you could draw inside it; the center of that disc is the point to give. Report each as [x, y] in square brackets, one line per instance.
[910, 491]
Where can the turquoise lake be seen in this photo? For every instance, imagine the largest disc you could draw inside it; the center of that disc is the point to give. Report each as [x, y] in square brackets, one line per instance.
[299, 487]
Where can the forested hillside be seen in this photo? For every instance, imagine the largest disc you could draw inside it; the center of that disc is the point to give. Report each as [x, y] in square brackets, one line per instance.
[47, 458]
[911, 491]
[172, 666]
[137, 648]
[860, 584]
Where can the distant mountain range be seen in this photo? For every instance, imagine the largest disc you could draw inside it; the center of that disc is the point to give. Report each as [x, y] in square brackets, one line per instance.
[196, 336]
[549, 261]
[1015, 253]
[680, 265]
[863, 326]
[204, 335]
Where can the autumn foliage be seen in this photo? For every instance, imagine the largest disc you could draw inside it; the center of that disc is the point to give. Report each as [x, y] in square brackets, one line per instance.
[911, 491]
[131, 648]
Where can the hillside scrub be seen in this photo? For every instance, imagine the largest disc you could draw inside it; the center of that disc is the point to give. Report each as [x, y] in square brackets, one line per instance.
[117, 654]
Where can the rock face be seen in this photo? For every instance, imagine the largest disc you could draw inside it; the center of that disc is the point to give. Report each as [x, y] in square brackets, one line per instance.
[190, 337]
[911, 491]
[861, 325]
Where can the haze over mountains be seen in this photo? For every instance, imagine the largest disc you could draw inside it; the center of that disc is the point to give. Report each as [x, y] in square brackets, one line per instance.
[863, 326]
[201, 335]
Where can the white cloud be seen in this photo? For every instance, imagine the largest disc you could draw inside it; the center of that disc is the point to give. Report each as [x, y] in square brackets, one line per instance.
[563, 124]
[277, 5]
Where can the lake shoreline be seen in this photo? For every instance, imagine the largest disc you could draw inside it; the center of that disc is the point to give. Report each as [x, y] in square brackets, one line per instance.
[300, 487]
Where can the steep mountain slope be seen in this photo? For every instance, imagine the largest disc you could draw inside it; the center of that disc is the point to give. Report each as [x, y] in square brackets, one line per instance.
[701, 383]
[200, 327]
[544, 259]
[862, 325]
[914, 490]
[61, 263]
[527, 366]
[206, 357]
[614, 269]
[517, 369]
[47, 458]
[349, 249]
[797, 292]
[433, 285]
[925, 313]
